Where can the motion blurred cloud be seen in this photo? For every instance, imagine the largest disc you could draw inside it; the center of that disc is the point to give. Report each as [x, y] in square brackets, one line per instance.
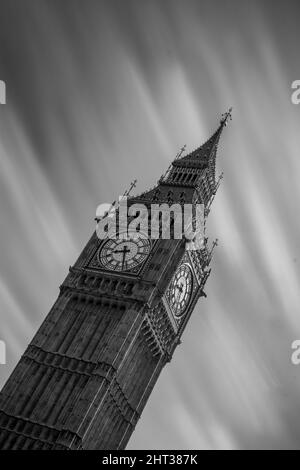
[102, 92]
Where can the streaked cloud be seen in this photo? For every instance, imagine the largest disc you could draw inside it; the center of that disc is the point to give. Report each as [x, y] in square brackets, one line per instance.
[100, 92]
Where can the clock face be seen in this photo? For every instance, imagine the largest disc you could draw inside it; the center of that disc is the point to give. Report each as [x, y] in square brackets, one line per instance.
[180, 289]
[124, 254]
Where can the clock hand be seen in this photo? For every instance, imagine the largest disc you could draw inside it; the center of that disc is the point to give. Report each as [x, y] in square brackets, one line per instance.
[124, 256]
[178, 292]
[124, 251]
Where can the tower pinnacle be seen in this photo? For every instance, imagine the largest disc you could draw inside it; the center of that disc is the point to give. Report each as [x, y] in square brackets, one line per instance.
[203, 154]
[87, 374]
[226, 117]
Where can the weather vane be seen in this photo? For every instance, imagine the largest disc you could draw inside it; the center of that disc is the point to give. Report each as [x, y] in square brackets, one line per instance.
[226, 117]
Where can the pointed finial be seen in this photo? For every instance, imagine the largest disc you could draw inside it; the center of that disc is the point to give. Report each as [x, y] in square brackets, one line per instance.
[180, 152]
[132, 185]
[219, 182]
[226, 117]
[215, 243]
[106, 213]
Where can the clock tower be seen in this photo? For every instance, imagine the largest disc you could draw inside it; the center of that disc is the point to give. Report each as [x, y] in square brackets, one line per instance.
[84, 379]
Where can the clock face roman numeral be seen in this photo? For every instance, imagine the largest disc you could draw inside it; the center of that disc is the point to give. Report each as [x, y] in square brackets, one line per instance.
[180, 289]
[124, 254]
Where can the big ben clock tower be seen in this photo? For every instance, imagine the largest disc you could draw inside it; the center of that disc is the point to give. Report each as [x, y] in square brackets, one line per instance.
[84, 379]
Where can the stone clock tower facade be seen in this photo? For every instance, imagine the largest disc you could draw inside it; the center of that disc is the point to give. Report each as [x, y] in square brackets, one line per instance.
[84, 379]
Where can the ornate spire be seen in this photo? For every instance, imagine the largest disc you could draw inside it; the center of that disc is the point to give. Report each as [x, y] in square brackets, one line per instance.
[195, 171]
[226, 117]
[206, 151]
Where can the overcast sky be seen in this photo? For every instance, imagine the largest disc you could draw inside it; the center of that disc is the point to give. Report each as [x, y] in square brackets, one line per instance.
[100, 92]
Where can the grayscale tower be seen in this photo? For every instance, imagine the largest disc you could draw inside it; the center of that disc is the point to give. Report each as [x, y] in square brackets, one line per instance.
[84, 379]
